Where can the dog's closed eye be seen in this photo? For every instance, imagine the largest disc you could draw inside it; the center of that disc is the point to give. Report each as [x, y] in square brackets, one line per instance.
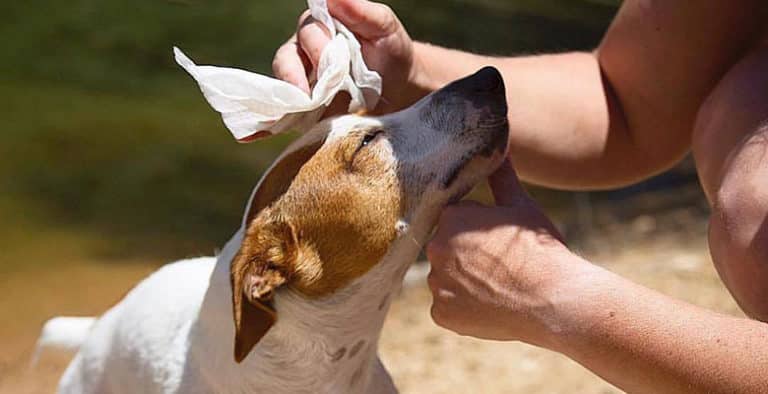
[367, 140]
[370, 137]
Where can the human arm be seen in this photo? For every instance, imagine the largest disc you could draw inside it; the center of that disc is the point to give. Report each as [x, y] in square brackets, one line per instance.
[502, 273]
[643, 341]
[580, 120]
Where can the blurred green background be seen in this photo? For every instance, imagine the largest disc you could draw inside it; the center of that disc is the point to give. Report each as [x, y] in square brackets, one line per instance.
[103, 136]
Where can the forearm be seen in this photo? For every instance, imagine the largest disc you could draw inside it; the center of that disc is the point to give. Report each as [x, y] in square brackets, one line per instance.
[642, 341]
[566, 128]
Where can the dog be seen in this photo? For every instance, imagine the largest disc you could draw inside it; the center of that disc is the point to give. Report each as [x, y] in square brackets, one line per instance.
[299, 294]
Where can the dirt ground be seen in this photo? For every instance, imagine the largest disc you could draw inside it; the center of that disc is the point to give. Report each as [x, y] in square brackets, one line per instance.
[426, 359]
[422, 357]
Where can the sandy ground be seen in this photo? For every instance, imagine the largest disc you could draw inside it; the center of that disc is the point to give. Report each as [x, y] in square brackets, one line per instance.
[422, 357]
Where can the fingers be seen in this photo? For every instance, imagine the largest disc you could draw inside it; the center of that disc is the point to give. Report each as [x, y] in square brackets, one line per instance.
[443, 296]
[508, 192]
[453, 221]
[298, 58]
[296, 61]
[312, 36]
[506, 187]
[291, 65]
[365, 18]
[441, 315]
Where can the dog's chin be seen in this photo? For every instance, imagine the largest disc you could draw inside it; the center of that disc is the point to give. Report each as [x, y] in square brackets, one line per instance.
[473, 172]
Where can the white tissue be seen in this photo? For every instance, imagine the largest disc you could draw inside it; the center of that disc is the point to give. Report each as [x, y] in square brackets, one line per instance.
[250, 103]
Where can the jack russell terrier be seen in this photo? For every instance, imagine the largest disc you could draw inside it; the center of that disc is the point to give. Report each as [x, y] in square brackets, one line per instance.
[301, 291]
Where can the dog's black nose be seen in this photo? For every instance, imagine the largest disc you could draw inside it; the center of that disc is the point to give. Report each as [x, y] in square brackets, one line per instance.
[488, 79]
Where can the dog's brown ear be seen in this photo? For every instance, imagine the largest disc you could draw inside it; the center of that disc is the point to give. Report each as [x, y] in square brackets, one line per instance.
[267, 254]
[263, 264]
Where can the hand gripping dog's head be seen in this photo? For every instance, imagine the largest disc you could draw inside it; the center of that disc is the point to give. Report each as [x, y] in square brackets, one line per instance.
[332, 204]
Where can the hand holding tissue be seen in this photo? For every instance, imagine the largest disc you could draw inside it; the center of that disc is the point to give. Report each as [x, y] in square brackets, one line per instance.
[255, 106]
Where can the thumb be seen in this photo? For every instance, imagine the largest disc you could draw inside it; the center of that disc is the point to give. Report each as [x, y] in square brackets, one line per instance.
[365, 18]
[505, 186]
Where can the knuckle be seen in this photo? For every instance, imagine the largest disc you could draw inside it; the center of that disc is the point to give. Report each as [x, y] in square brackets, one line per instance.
[386, 10]
[282, 58]
[385, 7]
[277, 64]
[389, 21]
[280, 70]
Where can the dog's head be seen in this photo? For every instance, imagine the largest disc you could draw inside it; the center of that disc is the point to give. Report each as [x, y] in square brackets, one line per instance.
[330, 207]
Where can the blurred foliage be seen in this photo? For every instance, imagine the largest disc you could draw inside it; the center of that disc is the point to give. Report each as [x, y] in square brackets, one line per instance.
[125, 45]
[102, 133]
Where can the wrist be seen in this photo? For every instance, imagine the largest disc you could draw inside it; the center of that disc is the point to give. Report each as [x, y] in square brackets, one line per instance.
[418, 77]
[566, 293]
[411, 85]
[432, 67]
[419, 82]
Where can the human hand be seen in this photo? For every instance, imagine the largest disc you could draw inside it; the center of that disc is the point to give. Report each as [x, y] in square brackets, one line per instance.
[495, 268]
[385, 44]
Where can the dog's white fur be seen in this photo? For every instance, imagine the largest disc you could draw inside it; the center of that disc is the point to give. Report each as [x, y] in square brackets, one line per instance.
[143, 343]
[63, 333]
[173, 333]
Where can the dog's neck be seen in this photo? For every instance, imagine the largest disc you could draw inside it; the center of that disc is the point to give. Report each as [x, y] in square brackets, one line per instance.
[323, 345]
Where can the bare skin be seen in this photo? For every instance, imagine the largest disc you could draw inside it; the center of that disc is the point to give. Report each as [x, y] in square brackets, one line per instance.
[668, 77]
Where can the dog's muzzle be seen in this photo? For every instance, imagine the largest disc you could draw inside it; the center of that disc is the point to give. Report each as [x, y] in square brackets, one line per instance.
[469, 104]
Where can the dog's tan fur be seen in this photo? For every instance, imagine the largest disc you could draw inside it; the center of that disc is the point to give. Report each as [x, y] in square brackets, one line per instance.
[287, 242]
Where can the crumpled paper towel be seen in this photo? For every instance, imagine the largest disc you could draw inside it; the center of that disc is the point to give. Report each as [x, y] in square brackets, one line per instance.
[254, 106]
